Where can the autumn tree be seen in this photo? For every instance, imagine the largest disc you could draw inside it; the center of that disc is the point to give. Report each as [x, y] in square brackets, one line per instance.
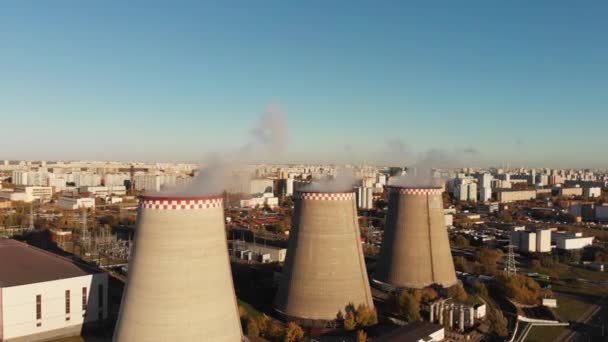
[408, 306]
[365, 316]
[275, 331]
[252, 328]
[458, 293]
[361, 336]
[293, 333]
[350, 321]
[499, 324]
[461, 241]
[263, 322]
[461, 264]
[428, 294]
[519, 288]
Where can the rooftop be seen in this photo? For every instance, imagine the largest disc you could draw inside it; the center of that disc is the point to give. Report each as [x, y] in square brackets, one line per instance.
[24, 264]
[412, 332]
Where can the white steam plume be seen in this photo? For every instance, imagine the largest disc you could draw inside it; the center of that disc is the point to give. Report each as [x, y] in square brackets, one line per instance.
[344, 181]
[220, 172]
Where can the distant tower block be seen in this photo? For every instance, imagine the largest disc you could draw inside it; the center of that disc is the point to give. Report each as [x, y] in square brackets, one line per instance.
[324, 268]
[415, 250]
[180, 284]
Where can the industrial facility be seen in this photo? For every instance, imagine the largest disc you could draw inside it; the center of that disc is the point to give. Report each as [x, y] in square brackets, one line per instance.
[324, 268]
[44, 296]
[179, 285]
[415, 251]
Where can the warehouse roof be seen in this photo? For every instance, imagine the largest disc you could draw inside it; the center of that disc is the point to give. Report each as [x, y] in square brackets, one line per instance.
[22, 264]
[413, 332]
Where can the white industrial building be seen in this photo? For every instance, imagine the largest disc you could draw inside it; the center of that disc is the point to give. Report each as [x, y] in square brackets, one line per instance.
[44, 296]
[365, 197]
[592, 192]
[104, 191]
[42, 193]
[570, 240]
[251, 251]
[267, 199]
[528, 241]
[69, 202]
[543, 240]
[16, 196]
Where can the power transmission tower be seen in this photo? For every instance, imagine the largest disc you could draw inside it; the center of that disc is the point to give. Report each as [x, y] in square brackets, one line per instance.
[511, 269]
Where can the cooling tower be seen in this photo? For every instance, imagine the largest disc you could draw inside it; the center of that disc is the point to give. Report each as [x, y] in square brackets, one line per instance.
[415, 250]
[324, 268]
[179, 285]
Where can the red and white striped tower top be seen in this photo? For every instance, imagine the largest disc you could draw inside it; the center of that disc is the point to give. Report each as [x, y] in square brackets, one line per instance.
[180, 203]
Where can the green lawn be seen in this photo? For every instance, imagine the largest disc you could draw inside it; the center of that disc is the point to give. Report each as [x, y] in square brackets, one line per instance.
[542, 334]
[571, 308]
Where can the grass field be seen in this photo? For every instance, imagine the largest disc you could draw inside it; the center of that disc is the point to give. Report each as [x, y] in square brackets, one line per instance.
[542, 334]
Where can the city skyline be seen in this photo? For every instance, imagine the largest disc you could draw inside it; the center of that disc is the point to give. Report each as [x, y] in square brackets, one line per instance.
[479, 84]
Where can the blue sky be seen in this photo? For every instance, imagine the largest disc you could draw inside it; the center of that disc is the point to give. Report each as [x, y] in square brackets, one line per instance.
[520, 82]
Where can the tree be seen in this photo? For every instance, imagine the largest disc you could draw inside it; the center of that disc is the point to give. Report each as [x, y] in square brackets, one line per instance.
[350, 322]
[481, 289]
[488, 259]
[519, 288]
[428, 295]
[361, 336]
[499, 324]
[365, 316]
[293, 333]
[461, 241]
[504, 216]
[408, 306]
[263, 322]
[536, 266]
[461, 264]
[458, 293]
[252, 328]
[275, 331]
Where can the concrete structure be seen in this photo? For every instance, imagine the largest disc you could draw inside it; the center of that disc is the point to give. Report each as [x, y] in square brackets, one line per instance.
[527, 241]
[260, 200]
[104, 191]
[543, 240]
[592, 192]
[44, 296]
[69, 202]
[415, 252]
[16, 196]
[180, 285]
[570, 240]
[465, 189]
[42, 193]
[324, 269]
[259, 252]
[415, 332]
[601, 213]
[570, 192]
[508, 196]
